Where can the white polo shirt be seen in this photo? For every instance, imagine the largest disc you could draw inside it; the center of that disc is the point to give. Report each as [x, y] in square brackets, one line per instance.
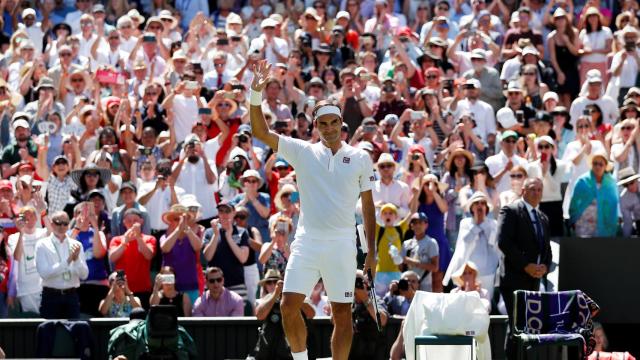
[193, 180]
[497, 162]
[329, 186]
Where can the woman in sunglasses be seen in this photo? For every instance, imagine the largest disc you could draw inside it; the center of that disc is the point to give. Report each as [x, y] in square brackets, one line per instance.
[517, 175]
[553, 173]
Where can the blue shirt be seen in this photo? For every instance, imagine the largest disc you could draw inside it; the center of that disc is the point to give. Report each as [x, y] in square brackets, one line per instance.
[255, 219]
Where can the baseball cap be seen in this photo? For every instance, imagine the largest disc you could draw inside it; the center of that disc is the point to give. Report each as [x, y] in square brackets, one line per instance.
[268, 22]
[473, 82]
[128, 185]
[506, 118]
[6, 185]
[20, 123]
[343, 14]
[550, 95]
[419, 216]
[27, 12]
[478, 54]
[365, 145]
[244, 129]
[507, 134]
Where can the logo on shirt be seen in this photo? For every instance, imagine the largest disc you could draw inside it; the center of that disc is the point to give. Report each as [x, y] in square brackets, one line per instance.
[346, 160]
[372, 178]
[348, 294]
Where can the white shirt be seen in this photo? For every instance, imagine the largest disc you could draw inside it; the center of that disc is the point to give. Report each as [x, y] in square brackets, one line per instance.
[28, 280]
[629, 69]
[35, 34]
[194, 181]
[86, 44]
[511, 69]
[158, 204]
[595, 40]
[127, 45]
[497, 162]
[281, 46]
[51, 261]
[550, 183]
[186, 115]
[397, 193]
[426, 143]
[482, 113]
[610, 113]
[211, 147]
[73, 19]
[329, 185]
[211, 78]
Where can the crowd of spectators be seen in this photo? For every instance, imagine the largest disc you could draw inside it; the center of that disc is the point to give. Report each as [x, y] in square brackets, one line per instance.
[130, 176]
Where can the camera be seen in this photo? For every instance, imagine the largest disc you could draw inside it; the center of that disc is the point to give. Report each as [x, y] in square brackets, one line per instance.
[120, 275]
[243, 138]
[389, 88]
[164, 171]
[403, 285]
[280, 125]
[415, 157]
[360, 283]
[145, 150]
[222, 42]
[629, 46]
[520, 116]
[369, 128]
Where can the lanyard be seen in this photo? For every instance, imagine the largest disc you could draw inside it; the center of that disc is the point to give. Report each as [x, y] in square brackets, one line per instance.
[55, 248]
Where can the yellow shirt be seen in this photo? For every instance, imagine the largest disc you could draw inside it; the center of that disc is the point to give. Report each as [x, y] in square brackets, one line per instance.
[389, 237]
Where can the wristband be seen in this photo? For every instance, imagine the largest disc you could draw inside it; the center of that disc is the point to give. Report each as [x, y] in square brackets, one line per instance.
[255, 98]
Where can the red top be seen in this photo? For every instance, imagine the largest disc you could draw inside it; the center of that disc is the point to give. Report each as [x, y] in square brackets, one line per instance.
[214, 130]
[135, 266]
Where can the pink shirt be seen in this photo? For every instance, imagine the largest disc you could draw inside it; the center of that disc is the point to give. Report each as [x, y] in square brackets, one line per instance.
[228, 304]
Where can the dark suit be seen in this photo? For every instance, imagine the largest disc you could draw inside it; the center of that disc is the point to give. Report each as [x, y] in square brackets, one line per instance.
[518, 241]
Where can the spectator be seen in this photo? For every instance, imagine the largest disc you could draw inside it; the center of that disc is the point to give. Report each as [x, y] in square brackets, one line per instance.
[458, 175]
[132, 252]
[553, 173]
[87, 179]
[388, 189]
[476, 243]
[273, 343]
[564, 52]
[466, 280]
[94, 243]
[258, 203]
[128, 193]
[562, 128]
[594, 204]
[501, 165]
[401, 293]
[165, 292]
[180, 248]
[59, 182]
[483, 115]
[119, 301]
[518, 175]
[488, 77]
[421, 126]
[22, 149]
[594, 95]
[218, 300]
[421, 253]
[274, 254]
[319, 300]
[624, 152]
[227, 246]
[367, 340]
[23, 247]
[596, 39]
[61, 264]
[287, 202]
[389, 235]
[629, 201]
[251, 271]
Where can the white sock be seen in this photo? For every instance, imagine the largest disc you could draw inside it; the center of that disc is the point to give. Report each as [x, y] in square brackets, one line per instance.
[300, 355]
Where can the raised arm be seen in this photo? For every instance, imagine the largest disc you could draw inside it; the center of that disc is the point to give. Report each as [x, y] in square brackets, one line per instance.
[259, 128]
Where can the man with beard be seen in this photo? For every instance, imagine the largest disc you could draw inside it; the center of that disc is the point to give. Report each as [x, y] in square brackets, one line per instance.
[331, 176]
[197, 176]
[21, 149]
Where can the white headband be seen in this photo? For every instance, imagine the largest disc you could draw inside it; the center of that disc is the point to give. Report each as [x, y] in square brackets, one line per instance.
[328, 109]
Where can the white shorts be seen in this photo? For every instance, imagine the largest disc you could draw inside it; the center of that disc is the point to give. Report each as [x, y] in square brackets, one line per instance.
[333, 261]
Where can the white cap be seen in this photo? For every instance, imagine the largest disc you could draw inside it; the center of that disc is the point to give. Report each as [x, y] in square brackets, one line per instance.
[28, 11]
[20, 123]
[550, 95]
[530, 50]
[506, 118]
[343, 14]
[545, 138]
[474, 82]
[268, 22]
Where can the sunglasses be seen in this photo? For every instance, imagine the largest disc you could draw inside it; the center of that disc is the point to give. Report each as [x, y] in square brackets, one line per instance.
[627, 128]
[517, 176]
[66, 54]
[151, 93]
[152, 28]
[252, 181]
[529, 74]
[60, 222]
[215, 280]
[224, 211]
[432, 77]
[544, 147]
[598, 164]
[510, 141]
[242, 217]
[61, 162]
[219, 64]
[385, 166]
[77, 80]
[583, 126]
[223, 104]
[514, 93]
[193, 208]
[91, 174]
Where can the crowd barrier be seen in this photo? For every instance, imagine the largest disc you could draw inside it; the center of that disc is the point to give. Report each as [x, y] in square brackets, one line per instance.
[216, 338]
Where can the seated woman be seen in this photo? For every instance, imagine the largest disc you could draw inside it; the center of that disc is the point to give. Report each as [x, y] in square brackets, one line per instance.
[274, 254]
[466, 280]
[165, 293]
[120, 300]
[594, 204]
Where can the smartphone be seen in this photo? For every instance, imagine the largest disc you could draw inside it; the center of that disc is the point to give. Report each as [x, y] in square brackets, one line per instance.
[237, 87]
[415, 157]
[417, 115]
[544, 157]
[369, 128]
[120, 275]
[191, 85]
[222, 42]
[520, 116]
[403, 284]
[107, 76]
[236, 38]
[149, 38]
[295, 197]
[586, 112]
[168, 278]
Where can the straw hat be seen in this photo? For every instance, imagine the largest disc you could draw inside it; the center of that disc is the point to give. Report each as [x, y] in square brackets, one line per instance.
[442, 187]
[175, 213]
[271, 275]
[601, 154]
[456, 152]
[286, 188]
[626, 176]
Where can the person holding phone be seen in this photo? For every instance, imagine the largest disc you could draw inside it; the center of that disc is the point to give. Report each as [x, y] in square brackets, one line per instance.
[626, 62]
[275, 254]
[165, 292]
[119, 301]
[553, 173]
[287, 202]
